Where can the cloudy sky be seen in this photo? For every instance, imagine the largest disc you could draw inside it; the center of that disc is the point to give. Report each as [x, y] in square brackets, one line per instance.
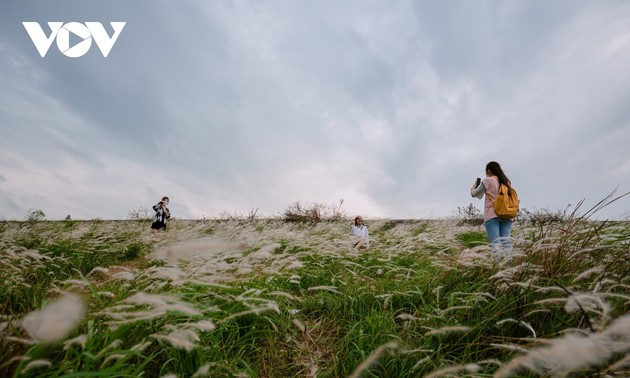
[393, 106]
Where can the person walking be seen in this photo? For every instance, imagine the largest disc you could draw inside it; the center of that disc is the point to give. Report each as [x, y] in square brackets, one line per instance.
[498, 229]
[162, 215]
[360, 233]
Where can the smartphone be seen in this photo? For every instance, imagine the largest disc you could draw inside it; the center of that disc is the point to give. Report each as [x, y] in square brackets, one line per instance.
[478, 182]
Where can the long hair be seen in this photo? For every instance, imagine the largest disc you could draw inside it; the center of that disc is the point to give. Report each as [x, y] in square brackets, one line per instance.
[496, 170]
[356, 219]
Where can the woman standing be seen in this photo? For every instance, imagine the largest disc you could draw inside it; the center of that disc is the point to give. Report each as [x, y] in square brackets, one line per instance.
[498, 229]
[360, 232]
[162, 214]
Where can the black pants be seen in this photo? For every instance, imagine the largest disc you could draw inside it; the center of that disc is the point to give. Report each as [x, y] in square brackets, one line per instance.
[157, 225]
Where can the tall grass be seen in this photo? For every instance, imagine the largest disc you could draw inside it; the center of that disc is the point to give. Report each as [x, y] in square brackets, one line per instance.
[268, 298]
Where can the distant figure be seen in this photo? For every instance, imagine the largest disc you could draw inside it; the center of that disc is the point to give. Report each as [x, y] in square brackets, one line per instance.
[162, 214]
[361, 235]
[68, 217]
[498, 229]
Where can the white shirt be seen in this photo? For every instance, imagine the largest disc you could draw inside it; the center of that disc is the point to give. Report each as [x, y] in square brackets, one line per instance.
[361, 231]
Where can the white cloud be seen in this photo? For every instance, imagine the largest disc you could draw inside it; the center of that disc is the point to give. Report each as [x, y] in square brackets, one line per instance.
[394, 107]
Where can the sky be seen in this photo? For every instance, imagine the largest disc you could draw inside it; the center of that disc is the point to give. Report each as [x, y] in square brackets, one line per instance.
[394, 107]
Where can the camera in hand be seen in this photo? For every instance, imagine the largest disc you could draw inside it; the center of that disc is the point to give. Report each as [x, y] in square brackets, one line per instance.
[477, 182]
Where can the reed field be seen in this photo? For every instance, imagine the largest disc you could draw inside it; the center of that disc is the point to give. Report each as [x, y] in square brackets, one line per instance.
[255, 297]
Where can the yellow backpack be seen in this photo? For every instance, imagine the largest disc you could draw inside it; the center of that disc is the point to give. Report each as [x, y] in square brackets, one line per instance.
[506, 204]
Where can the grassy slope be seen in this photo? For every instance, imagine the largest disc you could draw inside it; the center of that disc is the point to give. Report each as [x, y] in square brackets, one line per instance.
[266, 298]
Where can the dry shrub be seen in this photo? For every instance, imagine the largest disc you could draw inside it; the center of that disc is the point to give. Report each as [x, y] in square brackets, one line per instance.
[469, 214]
[236, 216]
[542, 217]
[34, 215]
[139, 213]
[313, 213]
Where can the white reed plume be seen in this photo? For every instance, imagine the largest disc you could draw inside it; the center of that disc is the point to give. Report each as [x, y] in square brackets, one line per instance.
[588, 273]
[375, 355]
[295, 279]
[299, 325]
[407, 317]
[120, 268]
[387, 297]
[447, 329]
[80, 340]
[36, 364]
[332, 289]
[19, 340]
[622, 365]
[346, 262]
[98, 269]
[168, 273]
[35, 255]
[203, 371]
[512, 347]
[126, 313]
[573, 353]
[442, 265]
[454, 370]
[140, 347]
[614, 295]
[436, 291]
[161, 301]
[420, 362]
[296, 264]
[113, 345]
[247, 293]
[256, 311]
[112, 357]
[476, 297]
[551, 301]
[79, 283]
[180, 339]
[586, 302]
[477, 256]
[519, 322]
[284, 294]
[507, 275]
[419, 350]
[550, 289]
[599, 284]
[123, 276]
[202, 325]
[529, 283]
[56, 320]
[624, 287]
[14, 359]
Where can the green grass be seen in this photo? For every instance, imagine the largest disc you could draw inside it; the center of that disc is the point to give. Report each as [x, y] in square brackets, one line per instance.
[417, 298]
[472, 238]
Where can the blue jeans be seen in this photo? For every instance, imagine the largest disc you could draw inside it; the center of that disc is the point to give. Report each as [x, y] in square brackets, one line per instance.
[498, 230]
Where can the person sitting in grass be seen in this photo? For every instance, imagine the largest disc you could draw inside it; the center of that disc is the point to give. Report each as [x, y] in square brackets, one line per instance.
[360, 233]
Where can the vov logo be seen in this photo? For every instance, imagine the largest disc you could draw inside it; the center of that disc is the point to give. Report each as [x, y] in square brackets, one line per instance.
[85, 32]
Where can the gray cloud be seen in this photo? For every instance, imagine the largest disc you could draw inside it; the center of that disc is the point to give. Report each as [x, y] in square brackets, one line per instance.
[395, 107]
